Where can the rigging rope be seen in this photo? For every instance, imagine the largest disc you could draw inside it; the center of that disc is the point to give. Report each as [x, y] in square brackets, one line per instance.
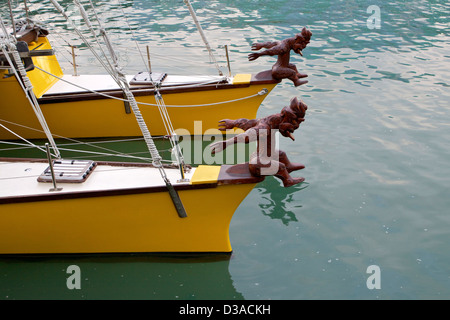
[28, 142]
[83, 38]
[8, 47]
[117, 75]
[259, 93]
[161, 106]
[77, 142]
[200, 30]
[122, 82]
[133, 36]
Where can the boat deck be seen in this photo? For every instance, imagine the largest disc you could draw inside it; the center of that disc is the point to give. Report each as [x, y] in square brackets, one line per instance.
[101, 83]
[20, 179]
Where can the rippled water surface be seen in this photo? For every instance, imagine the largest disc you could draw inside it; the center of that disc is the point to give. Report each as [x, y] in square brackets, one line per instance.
[375, 144]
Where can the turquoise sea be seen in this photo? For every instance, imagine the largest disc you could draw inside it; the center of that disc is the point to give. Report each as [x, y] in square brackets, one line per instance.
[375, 144]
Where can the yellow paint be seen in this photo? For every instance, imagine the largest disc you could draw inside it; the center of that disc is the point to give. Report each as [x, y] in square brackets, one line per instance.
[205, 174]
[15, 106]
[242, 78]
[107, 117]
[41, 81]
[127, 223]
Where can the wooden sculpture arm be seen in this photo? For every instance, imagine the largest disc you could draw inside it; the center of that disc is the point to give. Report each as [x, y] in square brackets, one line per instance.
[246, 137]
[244, 124]
[267, 45]
[275, 51]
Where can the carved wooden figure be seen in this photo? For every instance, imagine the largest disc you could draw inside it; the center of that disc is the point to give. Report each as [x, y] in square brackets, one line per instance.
[283, 68]
[266, 160]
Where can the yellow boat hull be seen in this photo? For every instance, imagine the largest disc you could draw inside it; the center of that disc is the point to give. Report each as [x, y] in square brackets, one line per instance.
[107, 117]
[86, 115]
[129, 223]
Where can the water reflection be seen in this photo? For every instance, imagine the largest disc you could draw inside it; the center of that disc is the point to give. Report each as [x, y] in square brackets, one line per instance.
[278, 202]
[118, 277]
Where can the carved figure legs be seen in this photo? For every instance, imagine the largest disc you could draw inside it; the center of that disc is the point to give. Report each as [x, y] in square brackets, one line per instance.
[300, 75]
[286, 178]
[291, 73]
[280, 168]
[290, 166]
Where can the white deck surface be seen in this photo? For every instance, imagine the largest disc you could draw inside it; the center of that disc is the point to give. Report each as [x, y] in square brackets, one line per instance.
[20, 179]
[106, 82]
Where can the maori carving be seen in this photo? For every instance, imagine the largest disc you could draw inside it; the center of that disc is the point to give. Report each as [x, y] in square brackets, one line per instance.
[266, 160]
[283, 68]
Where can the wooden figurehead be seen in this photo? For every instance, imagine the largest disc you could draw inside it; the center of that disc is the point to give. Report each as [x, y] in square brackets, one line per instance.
[283, 69]
[266, 160]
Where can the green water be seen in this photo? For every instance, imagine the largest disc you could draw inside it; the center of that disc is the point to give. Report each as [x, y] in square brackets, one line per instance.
[374, 143]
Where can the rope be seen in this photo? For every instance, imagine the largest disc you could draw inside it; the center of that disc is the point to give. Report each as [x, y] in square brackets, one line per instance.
[122, 82]
[259, 93]
[132, 35]
[200, 30]
[160, 102]
[12, 19]
[27, 87]
[28, 142]
[83, 38]
[76, 142]
[117, 75]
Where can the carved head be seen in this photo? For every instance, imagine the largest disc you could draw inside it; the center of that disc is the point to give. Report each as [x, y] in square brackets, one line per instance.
[301, 41]
[292, 116]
